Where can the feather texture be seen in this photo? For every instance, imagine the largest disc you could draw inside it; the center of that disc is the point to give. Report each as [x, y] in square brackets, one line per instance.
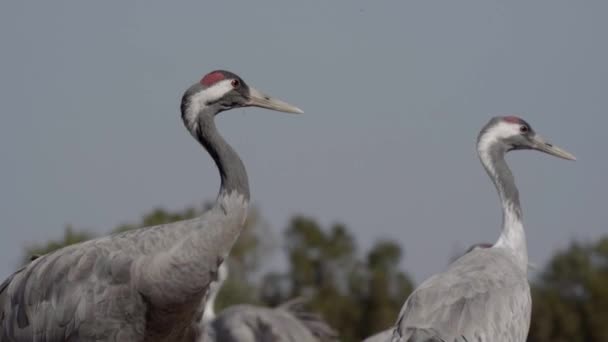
[133, 286]
[289, 322]
[483, 296]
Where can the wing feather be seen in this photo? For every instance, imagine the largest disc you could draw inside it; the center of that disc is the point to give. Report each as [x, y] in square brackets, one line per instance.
[94, 290]
[479, 298]
[56, 296]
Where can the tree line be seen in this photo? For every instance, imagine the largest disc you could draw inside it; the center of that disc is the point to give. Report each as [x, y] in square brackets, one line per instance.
[361, 292]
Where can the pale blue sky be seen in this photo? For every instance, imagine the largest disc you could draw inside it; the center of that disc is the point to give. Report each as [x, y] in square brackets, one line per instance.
[394, 94]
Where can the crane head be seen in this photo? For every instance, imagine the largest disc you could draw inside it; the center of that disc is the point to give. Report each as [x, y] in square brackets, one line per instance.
[222, 90]
[513, 133]
[228, 90]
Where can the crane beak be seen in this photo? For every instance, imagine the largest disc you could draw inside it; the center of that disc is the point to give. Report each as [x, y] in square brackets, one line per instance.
[540, 144]
[259, 99]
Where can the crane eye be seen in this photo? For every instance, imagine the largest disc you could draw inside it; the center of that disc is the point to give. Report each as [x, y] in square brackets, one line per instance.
[523, 129]
[235, 83]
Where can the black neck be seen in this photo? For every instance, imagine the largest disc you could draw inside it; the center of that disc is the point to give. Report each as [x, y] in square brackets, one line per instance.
[232, 170]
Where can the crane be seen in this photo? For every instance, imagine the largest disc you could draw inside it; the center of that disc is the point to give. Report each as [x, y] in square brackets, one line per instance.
[484, 295]
[289, 322]
[148, 284]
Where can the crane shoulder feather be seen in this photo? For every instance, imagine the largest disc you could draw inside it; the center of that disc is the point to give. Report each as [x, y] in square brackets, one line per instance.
[483, 296]
[59, 296]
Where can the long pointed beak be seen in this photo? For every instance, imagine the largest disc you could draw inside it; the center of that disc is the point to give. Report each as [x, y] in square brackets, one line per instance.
[259, 99]
[540, 144]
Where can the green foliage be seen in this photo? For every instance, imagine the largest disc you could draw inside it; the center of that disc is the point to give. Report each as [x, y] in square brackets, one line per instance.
[570, 300]
[357, 295]
[388, 287]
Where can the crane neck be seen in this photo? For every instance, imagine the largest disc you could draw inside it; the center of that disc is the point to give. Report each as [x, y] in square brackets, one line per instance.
[513, 236]
[199, 119]
[231, 168]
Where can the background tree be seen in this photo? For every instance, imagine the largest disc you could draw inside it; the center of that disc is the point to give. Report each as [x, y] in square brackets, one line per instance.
[321, 265]
[387, 287]
[570, 298]
[356, 295]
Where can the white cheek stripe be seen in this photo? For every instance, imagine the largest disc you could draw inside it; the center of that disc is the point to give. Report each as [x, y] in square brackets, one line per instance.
[200, 100]
[214, 93]
[502, 130]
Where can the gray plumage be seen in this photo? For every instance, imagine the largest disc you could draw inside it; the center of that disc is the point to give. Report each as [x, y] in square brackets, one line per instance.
[289, 322]
[286, 323]
[484, 295]
[147, 284]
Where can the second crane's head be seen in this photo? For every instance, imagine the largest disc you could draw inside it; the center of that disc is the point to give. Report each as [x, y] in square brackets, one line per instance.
[222, 90]
[507, 133]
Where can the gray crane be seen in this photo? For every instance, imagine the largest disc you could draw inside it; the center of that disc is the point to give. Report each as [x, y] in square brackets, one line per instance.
[148, 284]
[289, 322]
[484, 295]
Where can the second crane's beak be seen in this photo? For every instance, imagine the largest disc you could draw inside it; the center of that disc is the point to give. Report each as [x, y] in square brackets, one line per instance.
[259, 99]
[540, 144]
